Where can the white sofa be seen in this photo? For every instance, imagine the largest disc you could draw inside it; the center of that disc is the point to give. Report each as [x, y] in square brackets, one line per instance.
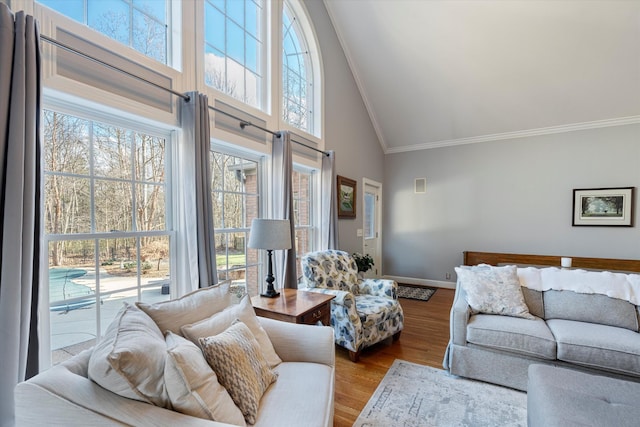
[302, 395]
[583, 320]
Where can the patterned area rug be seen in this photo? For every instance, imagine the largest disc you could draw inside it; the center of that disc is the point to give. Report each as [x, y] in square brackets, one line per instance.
[417, 395]
[415, 292]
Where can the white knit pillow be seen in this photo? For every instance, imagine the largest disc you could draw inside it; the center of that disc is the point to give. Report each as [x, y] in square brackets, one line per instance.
[493, 290]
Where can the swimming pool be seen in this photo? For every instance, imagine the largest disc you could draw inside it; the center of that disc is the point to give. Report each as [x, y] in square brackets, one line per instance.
[62, 287]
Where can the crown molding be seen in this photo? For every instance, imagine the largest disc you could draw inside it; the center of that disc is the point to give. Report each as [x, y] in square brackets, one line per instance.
[621, 121]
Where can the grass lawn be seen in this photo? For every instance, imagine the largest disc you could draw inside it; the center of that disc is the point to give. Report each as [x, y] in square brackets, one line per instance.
[235, 259]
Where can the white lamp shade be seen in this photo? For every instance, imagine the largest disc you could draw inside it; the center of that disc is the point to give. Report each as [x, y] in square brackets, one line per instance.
[270, 234]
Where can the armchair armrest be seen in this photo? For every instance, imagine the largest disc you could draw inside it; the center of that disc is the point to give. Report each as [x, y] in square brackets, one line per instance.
[345, 320]
[379, 287]
[301, 343]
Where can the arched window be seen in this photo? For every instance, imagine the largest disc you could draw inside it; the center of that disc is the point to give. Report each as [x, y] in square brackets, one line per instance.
[299, 78]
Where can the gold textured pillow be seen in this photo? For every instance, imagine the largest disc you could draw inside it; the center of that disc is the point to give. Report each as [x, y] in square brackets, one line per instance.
[197, 305]
[193, 387]
[217, 323]
[236, 358]
[129, 359]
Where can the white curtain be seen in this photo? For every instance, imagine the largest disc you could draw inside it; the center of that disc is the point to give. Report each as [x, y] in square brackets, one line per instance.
[282, 206]
[197, 247]
[328, 203]
[20, 202]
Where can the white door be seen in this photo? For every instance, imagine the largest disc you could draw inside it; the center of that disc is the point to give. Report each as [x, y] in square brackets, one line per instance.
[372, 201]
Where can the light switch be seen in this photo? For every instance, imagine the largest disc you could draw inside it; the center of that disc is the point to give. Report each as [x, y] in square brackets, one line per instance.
[359, 232]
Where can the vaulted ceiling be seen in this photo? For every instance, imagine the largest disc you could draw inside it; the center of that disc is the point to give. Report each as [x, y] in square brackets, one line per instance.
[443, 72]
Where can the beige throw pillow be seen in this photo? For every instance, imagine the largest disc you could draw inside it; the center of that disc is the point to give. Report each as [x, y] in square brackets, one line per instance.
[197, 305]
[221, 321]
[236, 358]
[129, 359]
[493, 290]
[193, 387]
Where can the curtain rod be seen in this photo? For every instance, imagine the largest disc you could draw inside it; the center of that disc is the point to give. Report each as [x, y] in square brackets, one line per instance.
[186, 97]
[244, 123]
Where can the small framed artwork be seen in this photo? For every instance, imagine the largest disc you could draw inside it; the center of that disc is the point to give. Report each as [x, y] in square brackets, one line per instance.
[346, 197]
[603, 207]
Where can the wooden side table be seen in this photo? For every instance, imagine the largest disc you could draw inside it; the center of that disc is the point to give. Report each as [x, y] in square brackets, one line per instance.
[295, 306]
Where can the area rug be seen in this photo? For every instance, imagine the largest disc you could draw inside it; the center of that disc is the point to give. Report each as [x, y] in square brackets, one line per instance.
[415, 292]
[416, 395]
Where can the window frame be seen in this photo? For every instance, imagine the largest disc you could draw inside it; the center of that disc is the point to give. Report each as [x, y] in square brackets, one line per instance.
[172, 31]
[259, 159]
[94, 114]
[262, 64]
[314, 69]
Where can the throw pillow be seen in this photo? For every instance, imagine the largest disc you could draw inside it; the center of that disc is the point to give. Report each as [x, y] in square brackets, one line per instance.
[236, 358]
[193, 387]
[129, 359]
[493, 290]
[197, 305]
[220, 321]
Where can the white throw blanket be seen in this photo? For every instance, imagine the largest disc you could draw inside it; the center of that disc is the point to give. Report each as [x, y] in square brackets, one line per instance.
[615, 285]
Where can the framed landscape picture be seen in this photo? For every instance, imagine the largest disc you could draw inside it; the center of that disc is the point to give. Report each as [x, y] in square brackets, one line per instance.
[346, 197]
[603, 207]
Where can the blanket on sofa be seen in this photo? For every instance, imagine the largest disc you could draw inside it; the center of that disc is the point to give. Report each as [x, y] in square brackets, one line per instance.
[614, 285]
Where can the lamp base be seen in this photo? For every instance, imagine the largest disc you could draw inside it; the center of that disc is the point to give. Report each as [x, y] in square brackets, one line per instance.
[270, 293]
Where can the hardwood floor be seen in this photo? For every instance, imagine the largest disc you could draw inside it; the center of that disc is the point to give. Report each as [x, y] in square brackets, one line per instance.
[423, 340]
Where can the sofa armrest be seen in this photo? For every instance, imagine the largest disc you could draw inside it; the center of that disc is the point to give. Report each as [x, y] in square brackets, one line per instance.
[301, 343]
[379, 287]
[61, 397]
[460, 313]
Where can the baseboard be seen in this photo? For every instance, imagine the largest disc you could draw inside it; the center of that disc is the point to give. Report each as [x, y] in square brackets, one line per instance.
[422, 282]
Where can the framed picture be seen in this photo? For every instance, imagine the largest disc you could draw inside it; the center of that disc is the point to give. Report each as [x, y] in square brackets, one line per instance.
[346, 197]
[603, 207]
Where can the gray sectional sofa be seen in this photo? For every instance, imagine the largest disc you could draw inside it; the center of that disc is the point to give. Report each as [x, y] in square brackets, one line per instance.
[579, 326]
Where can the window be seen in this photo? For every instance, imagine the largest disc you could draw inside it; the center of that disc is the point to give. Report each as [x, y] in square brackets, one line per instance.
[234, 48]
[297, 74]
[303, 197]
[141, 24]
[107, 229]
[236, 202]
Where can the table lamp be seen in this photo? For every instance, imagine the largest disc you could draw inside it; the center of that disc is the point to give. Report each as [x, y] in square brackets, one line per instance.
[270, 234]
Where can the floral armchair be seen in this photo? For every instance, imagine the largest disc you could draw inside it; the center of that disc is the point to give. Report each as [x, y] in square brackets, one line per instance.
[363, 312]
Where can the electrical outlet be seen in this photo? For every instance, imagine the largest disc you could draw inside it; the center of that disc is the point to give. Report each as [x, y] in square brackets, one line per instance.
[447, 276]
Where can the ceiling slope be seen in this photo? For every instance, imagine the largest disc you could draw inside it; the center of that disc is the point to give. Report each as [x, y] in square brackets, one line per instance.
[445, 72]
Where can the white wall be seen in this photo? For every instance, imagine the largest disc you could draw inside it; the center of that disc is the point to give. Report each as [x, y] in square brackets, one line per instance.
[506, 196]
[348, 128]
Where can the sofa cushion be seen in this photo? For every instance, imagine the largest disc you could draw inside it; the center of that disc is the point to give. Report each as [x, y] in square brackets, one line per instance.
[559, 397]
[236, 358]
[197, 305]
[129, 360]
[493, 290]
[192, 385]
[374, 310]
[287, 401]
[597, 346]
[221, 321]
[569, 305]
[512, 334]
